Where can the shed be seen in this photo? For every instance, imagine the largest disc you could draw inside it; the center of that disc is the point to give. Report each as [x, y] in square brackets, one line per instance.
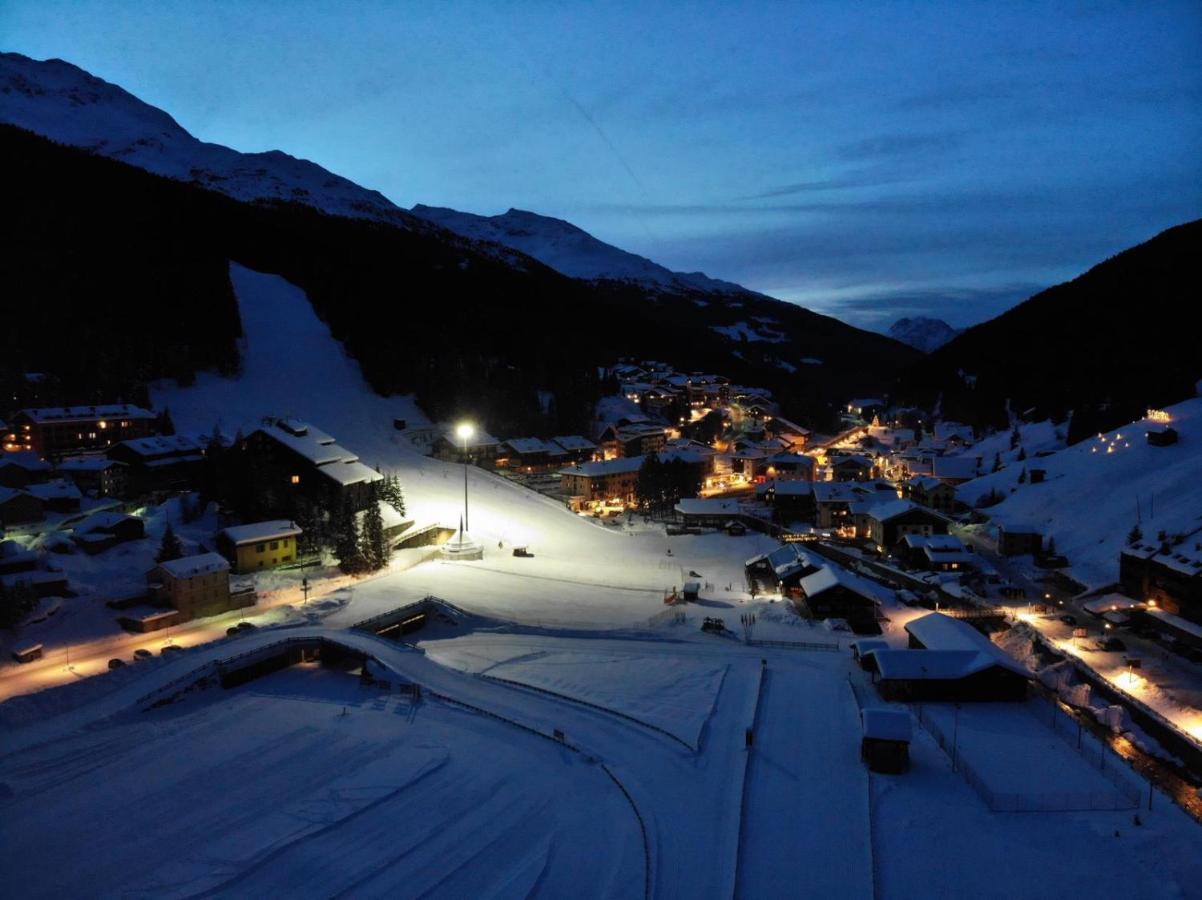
[885, 745]
[691, 591]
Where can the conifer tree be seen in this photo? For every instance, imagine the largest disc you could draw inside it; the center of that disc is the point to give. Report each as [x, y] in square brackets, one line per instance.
[346, 539]
[374, 546]
[170, 547]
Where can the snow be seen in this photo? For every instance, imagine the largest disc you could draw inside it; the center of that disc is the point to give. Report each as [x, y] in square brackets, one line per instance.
[1095, 490]
[886, 724]
[261, 531]
[567, 249]
[922, 333]
[270, 788]
[200, 564]
[741, 331]
[66, 104]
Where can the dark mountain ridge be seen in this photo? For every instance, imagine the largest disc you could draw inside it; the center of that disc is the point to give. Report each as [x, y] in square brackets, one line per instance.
[120, 276]
[1116, 339]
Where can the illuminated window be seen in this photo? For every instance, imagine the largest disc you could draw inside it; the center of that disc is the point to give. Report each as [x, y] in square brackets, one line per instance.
[296, 479]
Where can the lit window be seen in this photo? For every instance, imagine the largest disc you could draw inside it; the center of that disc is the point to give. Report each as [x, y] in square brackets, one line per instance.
[296, 479]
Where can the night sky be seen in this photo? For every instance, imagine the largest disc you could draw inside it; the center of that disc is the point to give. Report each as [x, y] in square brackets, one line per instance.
[941, 159]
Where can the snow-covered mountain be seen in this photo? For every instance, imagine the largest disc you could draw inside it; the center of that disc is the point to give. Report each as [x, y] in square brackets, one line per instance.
[62, 102]
[568, 249]
[922, 333]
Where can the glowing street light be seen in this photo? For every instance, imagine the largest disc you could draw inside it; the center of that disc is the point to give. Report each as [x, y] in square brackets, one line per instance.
[465, 431]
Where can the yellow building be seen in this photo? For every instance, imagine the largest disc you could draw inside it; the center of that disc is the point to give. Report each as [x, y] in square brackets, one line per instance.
[259, 545]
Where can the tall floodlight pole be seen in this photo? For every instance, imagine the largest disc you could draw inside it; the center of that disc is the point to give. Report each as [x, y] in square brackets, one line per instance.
[464, 432]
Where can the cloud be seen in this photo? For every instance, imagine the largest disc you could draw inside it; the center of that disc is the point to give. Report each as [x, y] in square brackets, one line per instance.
[898, 145]
[838, 183]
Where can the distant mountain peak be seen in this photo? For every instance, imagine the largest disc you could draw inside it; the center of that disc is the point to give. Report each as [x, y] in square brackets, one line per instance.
[922, 333]
[568, 249]
[61, 101]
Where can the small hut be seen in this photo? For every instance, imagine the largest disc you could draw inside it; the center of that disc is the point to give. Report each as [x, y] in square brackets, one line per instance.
[885, 746]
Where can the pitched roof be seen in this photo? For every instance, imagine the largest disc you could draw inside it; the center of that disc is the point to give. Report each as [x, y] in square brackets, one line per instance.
[254, 532]
[886, 724]
[936, 631]
[200, 564]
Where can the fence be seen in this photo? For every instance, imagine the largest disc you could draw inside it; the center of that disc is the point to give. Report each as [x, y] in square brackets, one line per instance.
[1125, 795]
[824, 646]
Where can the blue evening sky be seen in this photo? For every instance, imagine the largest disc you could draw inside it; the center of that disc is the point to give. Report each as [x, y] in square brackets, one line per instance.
[869, 161]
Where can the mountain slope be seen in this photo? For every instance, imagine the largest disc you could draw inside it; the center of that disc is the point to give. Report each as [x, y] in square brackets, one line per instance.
[61, 101]
[922, 333]
[568, 249]
[122, 277]
[1106, 345]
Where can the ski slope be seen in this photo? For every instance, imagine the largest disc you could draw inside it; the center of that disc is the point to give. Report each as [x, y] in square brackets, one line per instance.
[1096, 490]
[580, 570]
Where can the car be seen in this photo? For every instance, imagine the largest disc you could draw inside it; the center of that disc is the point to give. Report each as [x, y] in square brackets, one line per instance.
[1068, 620]
[246, 626]
[142, 653]
[1110, 645]
[171, 648]
[232, 631]
[116, 663]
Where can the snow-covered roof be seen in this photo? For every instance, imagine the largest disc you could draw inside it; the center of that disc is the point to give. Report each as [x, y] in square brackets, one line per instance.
[533, 445]
[925, 482]
[939, 664]
[938, 542]
[349, 472]
[830, 576]
[192, 566]
[254, 532]
[605, 467]
[785, 488]
[86, 413]
[574, 442]
[1110, 603]
[101, 521]
[936, 631]
[160, 445]
[882, 724]
[707, 506]
[54, 490]
[479, 438]
[838, 492]
[856, 459]
[7, 494]
[25, 459]
[792, 459]
[88, 464]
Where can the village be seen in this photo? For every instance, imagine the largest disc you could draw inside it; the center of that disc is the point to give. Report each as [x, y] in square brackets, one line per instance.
[153, 552]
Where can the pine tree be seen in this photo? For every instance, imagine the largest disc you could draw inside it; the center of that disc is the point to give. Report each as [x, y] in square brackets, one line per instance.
[1015, 437]
[170, 548]
[1022, 454]
[1022, 476]
[1135, 535]
[392, 494]
[346, 539]
[374, 546]
[997, 462]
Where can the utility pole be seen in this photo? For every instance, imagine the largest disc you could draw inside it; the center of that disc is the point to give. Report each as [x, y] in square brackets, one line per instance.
[305, 589]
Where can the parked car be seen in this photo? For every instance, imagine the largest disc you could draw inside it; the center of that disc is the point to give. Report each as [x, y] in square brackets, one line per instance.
[1068, 620]
[1111, 645]
[116, 663]
[246, 626]
[142, 653]
[171, 648]
[232, 630]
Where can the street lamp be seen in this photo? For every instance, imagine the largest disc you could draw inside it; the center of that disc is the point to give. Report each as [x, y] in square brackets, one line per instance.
[464, 431]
